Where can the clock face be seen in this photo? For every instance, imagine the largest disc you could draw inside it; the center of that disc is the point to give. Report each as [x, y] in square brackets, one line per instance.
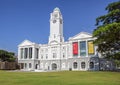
[54, 21]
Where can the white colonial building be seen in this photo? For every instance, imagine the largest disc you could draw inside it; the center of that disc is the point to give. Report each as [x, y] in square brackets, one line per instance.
[78, 53]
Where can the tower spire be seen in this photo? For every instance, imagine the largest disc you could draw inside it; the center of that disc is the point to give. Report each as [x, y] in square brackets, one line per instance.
[57, 9]
[56, 26]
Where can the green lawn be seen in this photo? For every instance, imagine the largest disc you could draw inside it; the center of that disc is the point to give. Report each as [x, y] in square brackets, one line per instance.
[59, 78]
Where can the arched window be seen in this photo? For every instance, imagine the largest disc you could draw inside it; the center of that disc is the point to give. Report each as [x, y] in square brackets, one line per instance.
[91, 65]
[75, 65]
[83, 65]
[54, 66]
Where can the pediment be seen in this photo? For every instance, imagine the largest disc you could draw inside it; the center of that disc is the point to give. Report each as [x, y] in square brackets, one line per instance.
[25, 43]
[81, 35]
[53, 42]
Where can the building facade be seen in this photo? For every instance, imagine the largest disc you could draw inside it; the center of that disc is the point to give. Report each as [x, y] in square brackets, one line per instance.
[78, 53]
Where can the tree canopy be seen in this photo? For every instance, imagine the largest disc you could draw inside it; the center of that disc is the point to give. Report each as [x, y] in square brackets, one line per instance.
[108, 32]
[6, 56]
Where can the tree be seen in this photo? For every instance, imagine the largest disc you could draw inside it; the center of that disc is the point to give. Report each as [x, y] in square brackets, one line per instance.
[6, 56]
[108, 32]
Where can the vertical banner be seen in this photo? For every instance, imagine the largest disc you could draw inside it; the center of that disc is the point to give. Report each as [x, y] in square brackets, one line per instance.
[83, 48]
[90, 47]
[75, 48]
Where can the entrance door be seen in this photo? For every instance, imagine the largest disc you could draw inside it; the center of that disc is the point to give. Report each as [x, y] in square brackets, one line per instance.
[54, 66]
[36, 66]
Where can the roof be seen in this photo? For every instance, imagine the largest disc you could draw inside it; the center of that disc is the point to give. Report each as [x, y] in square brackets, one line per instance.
[81, 35]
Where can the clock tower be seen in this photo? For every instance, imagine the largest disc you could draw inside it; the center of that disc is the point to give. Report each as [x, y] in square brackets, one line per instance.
[56, 27]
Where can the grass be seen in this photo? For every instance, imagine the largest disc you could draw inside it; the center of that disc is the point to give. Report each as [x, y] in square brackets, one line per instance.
[59, 78]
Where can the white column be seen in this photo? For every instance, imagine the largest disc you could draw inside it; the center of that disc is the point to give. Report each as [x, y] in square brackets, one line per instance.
[86, 48]
[33, 53]
[71, 50]
[49, 53]
[33, 57]
[24, 66]
[78, 48]
[28, 53]
[88, 64]
[19, 53]
[60, 55]
[39, 54]
[95, 49]
[23, 53]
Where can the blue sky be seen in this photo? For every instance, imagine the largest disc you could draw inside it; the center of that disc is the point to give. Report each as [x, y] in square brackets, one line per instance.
[29, 19]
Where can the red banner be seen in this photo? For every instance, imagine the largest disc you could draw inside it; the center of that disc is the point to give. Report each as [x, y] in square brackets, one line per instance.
[75, 48]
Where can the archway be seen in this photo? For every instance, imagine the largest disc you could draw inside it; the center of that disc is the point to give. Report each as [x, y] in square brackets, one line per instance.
[75, 65]
[82, 65]
[54, 66]
[91, 65]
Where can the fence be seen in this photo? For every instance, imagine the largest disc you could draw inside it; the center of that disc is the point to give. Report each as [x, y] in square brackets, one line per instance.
[8, 65]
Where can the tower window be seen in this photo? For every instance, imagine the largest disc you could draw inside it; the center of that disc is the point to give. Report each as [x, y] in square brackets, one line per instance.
[60, 21]
[54, 55]
[54, 21]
